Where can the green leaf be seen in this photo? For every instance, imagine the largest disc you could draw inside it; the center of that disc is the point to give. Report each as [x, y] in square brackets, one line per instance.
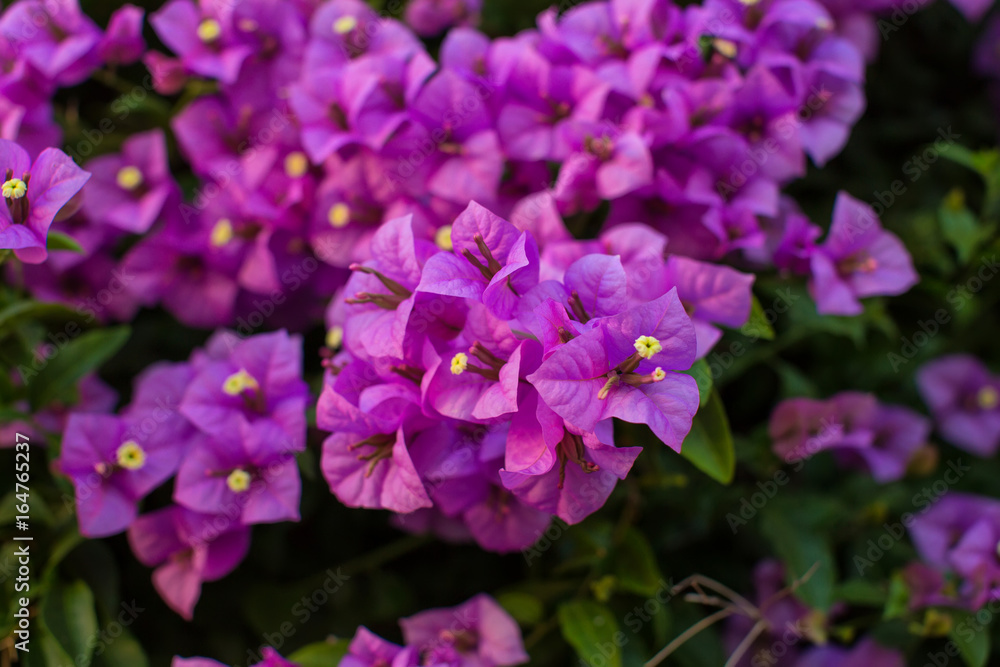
[985, 162]
[592, 630]
[702, 374]
[123, 651]
[897, 604]
[862, 592]
[74, 360]
[69, 614]
[801, 547]
[709, 445]
[321, 654]
[758, 326]
[634, 564]
[524, 607]
[60, 241]
[28, 311]
[959, 226]
[972, 639]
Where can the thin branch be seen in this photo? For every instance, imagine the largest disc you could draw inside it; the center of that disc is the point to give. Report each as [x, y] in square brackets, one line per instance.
[689, 633]
[747, 642]
[792, 587]
[699, 579]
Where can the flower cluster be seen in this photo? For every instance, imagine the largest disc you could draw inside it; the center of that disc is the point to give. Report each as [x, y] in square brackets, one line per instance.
[331, 119]
[479, 376]
[476, 633]
[964, 398]
[883, 439]
[226, 425]
[957, 539]
[796, 635]
[50, 45]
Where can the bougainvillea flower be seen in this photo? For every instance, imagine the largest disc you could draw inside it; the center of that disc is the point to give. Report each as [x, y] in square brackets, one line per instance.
[802, 427]
[621, 369]
[898, 434]
[578, 483]
[382, 290]
[250, 474]
[58, 39]
[477, 632]
[130, 189]
[171, 266]
[373, 470]
[204, 37]
[260, 380]
[492, 261]
[866, 652]
[783, 612]
[712, 294]
[459, 466]
[187, 548]
[270, 658]
[964, 398]
[112, 469]
[122, 43]
[341, 30]
[857, 259]
[959, 534]
[431, 17]
[369, 650]
[33, 195]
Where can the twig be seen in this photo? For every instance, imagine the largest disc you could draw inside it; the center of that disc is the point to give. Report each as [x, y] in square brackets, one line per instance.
[689, 633]
[747, 642]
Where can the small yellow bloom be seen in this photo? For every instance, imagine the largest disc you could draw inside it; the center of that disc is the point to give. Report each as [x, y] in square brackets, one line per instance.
[725, 47]
[296, 164]
[647, 346]
[659, 374]
[443, 238]
[15, 188]
[987, 398]
[238, 480]
[459, 363]
[222, 232]
[335, 337]
[339, 215]
[130, 455]
[239, 382]
[344, 25]
[209, 30]
[129, 178]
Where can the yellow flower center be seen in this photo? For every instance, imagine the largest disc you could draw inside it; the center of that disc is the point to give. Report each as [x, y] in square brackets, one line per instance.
[15, 188]
[239, 382]
[238, 480]
[647, 346]
[459, 363]
[443, 238]
[335, 337]
[987, 398]
[749, 3]
[339, 215]
[209, 30]
[130, 455]
[659, 374]
[296, 164]
[725, 47]
[129, 178]
[222, 232]
[344, 25]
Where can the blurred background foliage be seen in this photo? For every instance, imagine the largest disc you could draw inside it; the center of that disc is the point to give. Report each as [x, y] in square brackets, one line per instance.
[668, 520]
